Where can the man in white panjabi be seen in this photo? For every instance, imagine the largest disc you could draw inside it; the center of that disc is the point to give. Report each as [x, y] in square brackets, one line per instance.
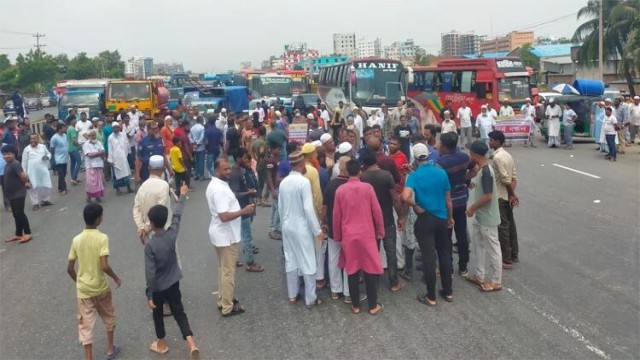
[35, 162]
[118, 158]
[553, 113]
[300, 229]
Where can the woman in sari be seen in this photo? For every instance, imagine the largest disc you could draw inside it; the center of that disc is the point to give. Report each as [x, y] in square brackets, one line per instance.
[93, 162]
[35, 162]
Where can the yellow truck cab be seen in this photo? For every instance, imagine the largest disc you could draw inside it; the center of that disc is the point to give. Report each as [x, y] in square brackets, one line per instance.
[150, 96]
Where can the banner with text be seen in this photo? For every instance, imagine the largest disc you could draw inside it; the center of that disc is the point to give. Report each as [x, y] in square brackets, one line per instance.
[514, 129]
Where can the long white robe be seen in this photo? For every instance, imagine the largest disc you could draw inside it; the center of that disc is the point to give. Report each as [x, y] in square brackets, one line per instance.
[299, 224]
[118, 151]
[36, 168]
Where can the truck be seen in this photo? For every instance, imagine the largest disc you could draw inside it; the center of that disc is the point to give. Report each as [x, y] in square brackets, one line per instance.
[233, 98]
[90, 101]
[150, 96]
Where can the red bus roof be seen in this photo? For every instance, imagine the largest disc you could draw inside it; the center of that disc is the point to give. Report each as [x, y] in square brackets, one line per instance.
[465, 64]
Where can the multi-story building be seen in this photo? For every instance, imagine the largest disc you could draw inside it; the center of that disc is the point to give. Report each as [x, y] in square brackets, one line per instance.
[313, 66]
[277, 63]
[167, 68]
[456, 44]
[292, 58]
[368, 48]
[509, 42]
[345, 44]
[138, 67]
[400, 50]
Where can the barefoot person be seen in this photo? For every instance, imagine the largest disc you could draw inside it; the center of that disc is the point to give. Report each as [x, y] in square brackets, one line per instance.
[15, 184]
[163, 274]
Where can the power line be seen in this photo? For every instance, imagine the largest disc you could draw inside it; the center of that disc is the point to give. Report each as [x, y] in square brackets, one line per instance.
[15, 32]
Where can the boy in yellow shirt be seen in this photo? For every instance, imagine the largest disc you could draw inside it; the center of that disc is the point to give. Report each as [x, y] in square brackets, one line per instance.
[177, 164]
[91, 249]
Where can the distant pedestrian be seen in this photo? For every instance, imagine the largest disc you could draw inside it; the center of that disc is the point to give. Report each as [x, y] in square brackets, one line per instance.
[148, 146]
[93, 163]
[90, 249]
[609, 129]
[448, 125]
[15, 184]
[569, 118]
[60, 153]
[163, 274]
[553, 113]
[118, 159]
[178, 164]
[486, 244]
[464, 115]
[485, 123]
[357, 225]
[35, 162]
[75, 151]
[196, 137]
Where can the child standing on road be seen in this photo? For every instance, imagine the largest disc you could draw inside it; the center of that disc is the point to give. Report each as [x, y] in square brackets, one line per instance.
[177, 164]
[91, 249]
[163, 274]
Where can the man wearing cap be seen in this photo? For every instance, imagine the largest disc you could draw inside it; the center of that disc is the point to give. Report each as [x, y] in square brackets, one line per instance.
[506, 109]
[448, 125]
[329, 149]
[154, 191]
[149, 145]
[117, 157]
[324, 114]
[634, 119]
[344, 151]
[464, 115]
[527, 108]
[298, 118]
[446, 107]
[428, 191]
[621, 113]
[10, 136]
[486, 246]
[311, 173]
[553, 113]
[485, 123]
[222, 123]
[134, 116]
[300, 227]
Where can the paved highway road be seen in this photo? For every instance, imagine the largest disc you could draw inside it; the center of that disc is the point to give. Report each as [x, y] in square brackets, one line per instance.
[573, 296]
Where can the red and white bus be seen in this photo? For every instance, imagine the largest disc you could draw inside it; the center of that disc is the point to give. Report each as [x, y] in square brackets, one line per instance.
[476, 81]
[368, 83]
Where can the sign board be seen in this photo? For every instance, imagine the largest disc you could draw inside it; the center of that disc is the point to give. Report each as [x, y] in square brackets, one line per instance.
[515, 129]
[298, 132]
[275, 80]
[510, 65]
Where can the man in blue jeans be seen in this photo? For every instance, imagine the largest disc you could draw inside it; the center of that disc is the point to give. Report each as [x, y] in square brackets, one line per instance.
[569, 118]
[243, 183]
[196, 137]
[74, 151]
[212, 143]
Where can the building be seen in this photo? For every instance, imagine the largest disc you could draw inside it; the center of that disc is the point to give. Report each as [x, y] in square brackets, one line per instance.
[469, 44]
[167, 68]
[138, 67]
[509, 42]
[369, 48]
[450, 44]
[277, 63]
[345, 44]
[401, 50]
[293, 55]
[312, 66]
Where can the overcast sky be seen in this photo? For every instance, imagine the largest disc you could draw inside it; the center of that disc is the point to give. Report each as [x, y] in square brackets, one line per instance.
[215, 35]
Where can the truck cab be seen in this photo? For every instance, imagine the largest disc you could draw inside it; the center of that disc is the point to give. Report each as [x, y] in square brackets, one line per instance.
[90, 101]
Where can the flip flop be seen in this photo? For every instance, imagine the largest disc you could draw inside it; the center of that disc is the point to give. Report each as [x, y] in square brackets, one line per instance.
[424, 300]
[254, 268]
[355, 310]
[397, 287]
[474, 280]
[237, 310]
[376, 311]
[154, 347]
[116, 352]
[490, 288]
[194, 354]
[447, 298]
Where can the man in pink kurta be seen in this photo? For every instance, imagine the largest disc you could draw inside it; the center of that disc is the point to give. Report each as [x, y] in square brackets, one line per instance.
[358, 224]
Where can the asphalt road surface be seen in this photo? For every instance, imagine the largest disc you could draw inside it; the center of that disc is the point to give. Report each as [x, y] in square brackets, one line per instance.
[574, 294]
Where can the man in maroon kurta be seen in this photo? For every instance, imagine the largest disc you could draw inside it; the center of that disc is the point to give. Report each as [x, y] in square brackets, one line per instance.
[358, 224]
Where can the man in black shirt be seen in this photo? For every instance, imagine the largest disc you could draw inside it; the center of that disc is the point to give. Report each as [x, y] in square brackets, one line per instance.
[404, 133]
[385, 188]
[232, 145]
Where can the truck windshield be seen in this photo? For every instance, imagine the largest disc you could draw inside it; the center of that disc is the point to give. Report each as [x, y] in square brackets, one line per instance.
[127, 92]
[69, 100]
[275, 86]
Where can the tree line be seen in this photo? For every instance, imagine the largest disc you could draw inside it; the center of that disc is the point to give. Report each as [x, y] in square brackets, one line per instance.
[36, 71]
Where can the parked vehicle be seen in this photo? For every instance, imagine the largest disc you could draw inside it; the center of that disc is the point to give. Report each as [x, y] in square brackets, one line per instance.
[33, 103]
[8, 108]
[89, 101]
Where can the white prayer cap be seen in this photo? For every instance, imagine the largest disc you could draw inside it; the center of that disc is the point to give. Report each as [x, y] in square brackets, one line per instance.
[325, 138]
[636, 97]
[607, 100]
[115, 123]
[316, 143]
[156, 162]
[344, 148]
[551, 101]
[224, 110]
[278, 113]
[95, 118]
[527, 99]
[167, 118]
[483, 107]
[309, 116]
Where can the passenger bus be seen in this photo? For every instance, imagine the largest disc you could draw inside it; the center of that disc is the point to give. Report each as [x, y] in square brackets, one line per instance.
[243, 78]
[367, 83]
[476, 81]
[271, 85]
[300, 79]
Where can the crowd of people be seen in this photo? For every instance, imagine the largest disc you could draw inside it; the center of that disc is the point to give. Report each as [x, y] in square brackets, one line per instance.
[357, 198]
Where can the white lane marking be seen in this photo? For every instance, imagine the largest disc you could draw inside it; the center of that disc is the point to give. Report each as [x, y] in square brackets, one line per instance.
[571, 331]
[577, 171]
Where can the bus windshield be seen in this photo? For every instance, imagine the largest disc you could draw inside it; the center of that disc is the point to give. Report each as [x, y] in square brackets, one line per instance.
[375, 86]
[80, 100]
[514, 88]
[127, 92]
[275, 86]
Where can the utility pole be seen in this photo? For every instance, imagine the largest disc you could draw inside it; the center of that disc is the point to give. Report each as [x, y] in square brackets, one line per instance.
[38, 36]
[600, 42]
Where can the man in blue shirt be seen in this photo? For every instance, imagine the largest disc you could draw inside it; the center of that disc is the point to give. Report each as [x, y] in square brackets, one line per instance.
[213, 143]
[459, 169]
[60, 152]
[428, 192]
[149, 145]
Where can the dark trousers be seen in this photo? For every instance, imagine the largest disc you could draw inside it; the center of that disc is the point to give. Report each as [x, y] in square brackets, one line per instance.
[173, 297]
[431, 233]
[61, 169]
[408, 260]
[389, 243]
[5, 201]
[371, 286]
[131, 158]
[144, 172]
[611, 143]
[460, 227]
[20, 218]
[180, 178]
[507, 232]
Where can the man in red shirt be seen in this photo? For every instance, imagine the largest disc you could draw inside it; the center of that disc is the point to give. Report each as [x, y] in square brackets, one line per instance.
[166, 133]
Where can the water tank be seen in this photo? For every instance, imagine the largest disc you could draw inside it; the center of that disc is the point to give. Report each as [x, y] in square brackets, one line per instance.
[589, 87]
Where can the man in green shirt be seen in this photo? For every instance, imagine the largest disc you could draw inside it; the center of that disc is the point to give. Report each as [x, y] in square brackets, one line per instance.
[74, 151]
[260, 150]
[486, 245]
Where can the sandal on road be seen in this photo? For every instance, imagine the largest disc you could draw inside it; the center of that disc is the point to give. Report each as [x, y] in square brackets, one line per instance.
[399, 286]
[156, 349]
[475, 280]
[490, 287]
[254, 268]
[376, 310]
[355, 310]
[116, 352]
[447, 298]
[318, 301]
[426, 301]
[194, 354]
[237, 310]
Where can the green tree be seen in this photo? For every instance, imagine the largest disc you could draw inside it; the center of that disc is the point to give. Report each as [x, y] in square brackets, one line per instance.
[8, 74]
[617, 24]
[633, 45]
[82, 67]
[529, 58]
[423, 59]
[109, 64]
[37, 70]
